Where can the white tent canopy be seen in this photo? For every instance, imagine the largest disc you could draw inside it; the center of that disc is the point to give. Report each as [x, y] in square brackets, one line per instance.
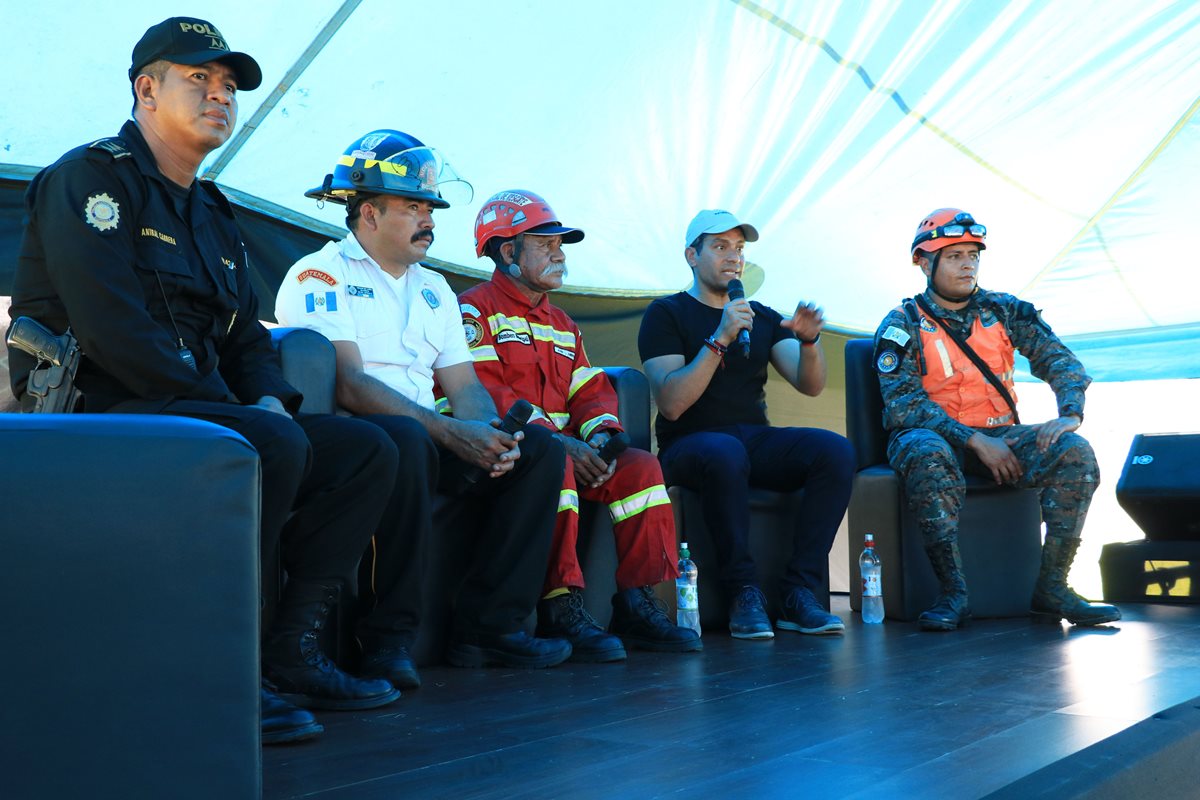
[1068, 127]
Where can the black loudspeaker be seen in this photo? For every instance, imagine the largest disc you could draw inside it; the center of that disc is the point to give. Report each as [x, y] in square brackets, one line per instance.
[1160, 485]
[1151, 572]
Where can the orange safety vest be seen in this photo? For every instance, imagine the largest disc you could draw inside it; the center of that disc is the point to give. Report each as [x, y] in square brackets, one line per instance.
[957, 385]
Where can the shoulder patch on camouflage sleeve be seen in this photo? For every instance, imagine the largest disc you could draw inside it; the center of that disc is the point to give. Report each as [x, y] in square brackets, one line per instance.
[888, 355]
[897, 335]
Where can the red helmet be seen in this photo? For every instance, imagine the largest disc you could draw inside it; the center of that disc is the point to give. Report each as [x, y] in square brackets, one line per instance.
[945, 227]
[511, 213]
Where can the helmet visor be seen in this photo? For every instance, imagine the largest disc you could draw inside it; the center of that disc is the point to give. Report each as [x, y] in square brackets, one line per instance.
[422, 171]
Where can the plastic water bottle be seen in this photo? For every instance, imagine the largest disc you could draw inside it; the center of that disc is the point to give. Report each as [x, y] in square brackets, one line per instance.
[687, 597]
[872, 582]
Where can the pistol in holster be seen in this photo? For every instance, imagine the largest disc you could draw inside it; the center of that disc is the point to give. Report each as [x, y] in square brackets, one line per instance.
[52, 382]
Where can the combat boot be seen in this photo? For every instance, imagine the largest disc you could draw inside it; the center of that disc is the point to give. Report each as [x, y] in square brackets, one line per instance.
[640, 620]
[950, 610]
[1053, 600]
[564, 617]
[282, 722]
[293, 661]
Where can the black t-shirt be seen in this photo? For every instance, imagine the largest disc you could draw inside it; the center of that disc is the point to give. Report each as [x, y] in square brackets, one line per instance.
[736, 395]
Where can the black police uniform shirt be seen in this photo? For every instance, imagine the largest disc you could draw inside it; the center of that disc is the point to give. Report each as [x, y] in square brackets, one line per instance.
[736, 395]
[114, 249]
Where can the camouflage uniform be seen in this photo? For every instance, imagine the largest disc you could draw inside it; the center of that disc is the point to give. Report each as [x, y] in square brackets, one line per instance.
[928, 448]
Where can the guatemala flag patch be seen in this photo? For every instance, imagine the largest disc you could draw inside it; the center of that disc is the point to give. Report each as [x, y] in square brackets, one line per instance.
[320, 301]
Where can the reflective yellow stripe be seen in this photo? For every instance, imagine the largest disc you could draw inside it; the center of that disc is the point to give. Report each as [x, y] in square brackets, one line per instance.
[442, 406]
[635, 504]
[502, 322]
[391, 167]
[548, 333]
[559, 419]
[568, 500]
[484, 353]
[580, 377]
[585, 430]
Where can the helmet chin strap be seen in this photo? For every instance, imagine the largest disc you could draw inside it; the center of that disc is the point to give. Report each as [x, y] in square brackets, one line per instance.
[933, 265]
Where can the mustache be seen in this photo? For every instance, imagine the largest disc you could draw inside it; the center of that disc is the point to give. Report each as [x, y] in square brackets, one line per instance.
[419, 235]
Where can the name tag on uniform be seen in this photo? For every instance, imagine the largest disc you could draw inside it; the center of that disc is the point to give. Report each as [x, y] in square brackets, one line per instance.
[360, 291]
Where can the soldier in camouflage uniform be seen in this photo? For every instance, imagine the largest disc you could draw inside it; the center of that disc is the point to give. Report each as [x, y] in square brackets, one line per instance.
[946, 417]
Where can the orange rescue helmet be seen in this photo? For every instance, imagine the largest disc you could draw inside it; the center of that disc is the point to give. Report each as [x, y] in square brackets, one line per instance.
[945, 227]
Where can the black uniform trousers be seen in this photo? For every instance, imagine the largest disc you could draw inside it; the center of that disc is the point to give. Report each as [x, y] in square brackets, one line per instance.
[321, 484]
[505, 560]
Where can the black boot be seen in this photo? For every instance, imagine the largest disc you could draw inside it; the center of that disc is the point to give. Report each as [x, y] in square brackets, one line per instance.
[394, 664]
[564, 617]
[640, 620]
[950, 610]
[282, 722]
[1053, 600]
[293, 661]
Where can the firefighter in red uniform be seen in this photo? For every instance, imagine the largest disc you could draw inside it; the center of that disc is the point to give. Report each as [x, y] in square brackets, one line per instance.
[525, 347]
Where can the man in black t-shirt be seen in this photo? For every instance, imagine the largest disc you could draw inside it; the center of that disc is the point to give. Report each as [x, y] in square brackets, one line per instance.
[713, 433]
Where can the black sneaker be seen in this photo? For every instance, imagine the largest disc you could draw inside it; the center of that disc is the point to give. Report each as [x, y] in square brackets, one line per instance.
[640, 619]
[802, 612]
[564, 617]
[482, 649]
[748, 615]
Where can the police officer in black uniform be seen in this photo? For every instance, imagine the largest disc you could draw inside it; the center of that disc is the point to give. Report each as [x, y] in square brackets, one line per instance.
[145, 265]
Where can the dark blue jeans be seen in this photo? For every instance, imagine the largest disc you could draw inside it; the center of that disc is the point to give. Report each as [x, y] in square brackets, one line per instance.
[722, 465]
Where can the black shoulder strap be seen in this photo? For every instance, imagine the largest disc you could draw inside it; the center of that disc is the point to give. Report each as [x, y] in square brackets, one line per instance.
[112, 145]
[914, 320]
[975, 359]
[128, 173]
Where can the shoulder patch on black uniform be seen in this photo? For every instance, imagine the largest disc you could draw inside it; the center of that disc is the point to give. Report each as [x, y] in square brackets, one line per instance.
[112, 145]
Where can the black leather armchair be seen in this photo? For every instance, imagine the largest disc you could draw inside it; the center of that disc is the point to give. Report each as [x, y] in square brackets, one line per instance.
[999, 527]
[129, 572]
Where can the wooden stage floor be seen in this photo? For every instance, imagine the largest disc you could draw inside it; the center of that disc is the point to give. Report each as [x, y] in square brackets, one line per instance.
[881, 712]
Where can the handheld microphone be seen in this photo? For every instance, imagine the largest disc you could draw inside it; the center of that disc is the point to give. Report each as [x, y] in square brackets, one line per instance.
[617, 443]
[737, 292]
[513, 421]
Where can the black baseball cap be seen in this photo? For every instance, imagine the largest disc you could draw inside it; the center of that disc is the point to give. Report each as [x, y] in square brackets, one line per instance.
[185, 40]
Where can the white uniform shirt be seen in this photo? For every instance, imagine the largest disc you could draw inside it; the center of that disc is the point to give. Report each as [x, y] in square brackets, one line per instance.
[404, 327]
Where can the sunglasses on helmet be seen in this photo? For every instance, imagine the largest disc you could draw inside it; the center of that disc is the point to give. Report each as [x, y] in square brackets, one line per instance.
[960, 226]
